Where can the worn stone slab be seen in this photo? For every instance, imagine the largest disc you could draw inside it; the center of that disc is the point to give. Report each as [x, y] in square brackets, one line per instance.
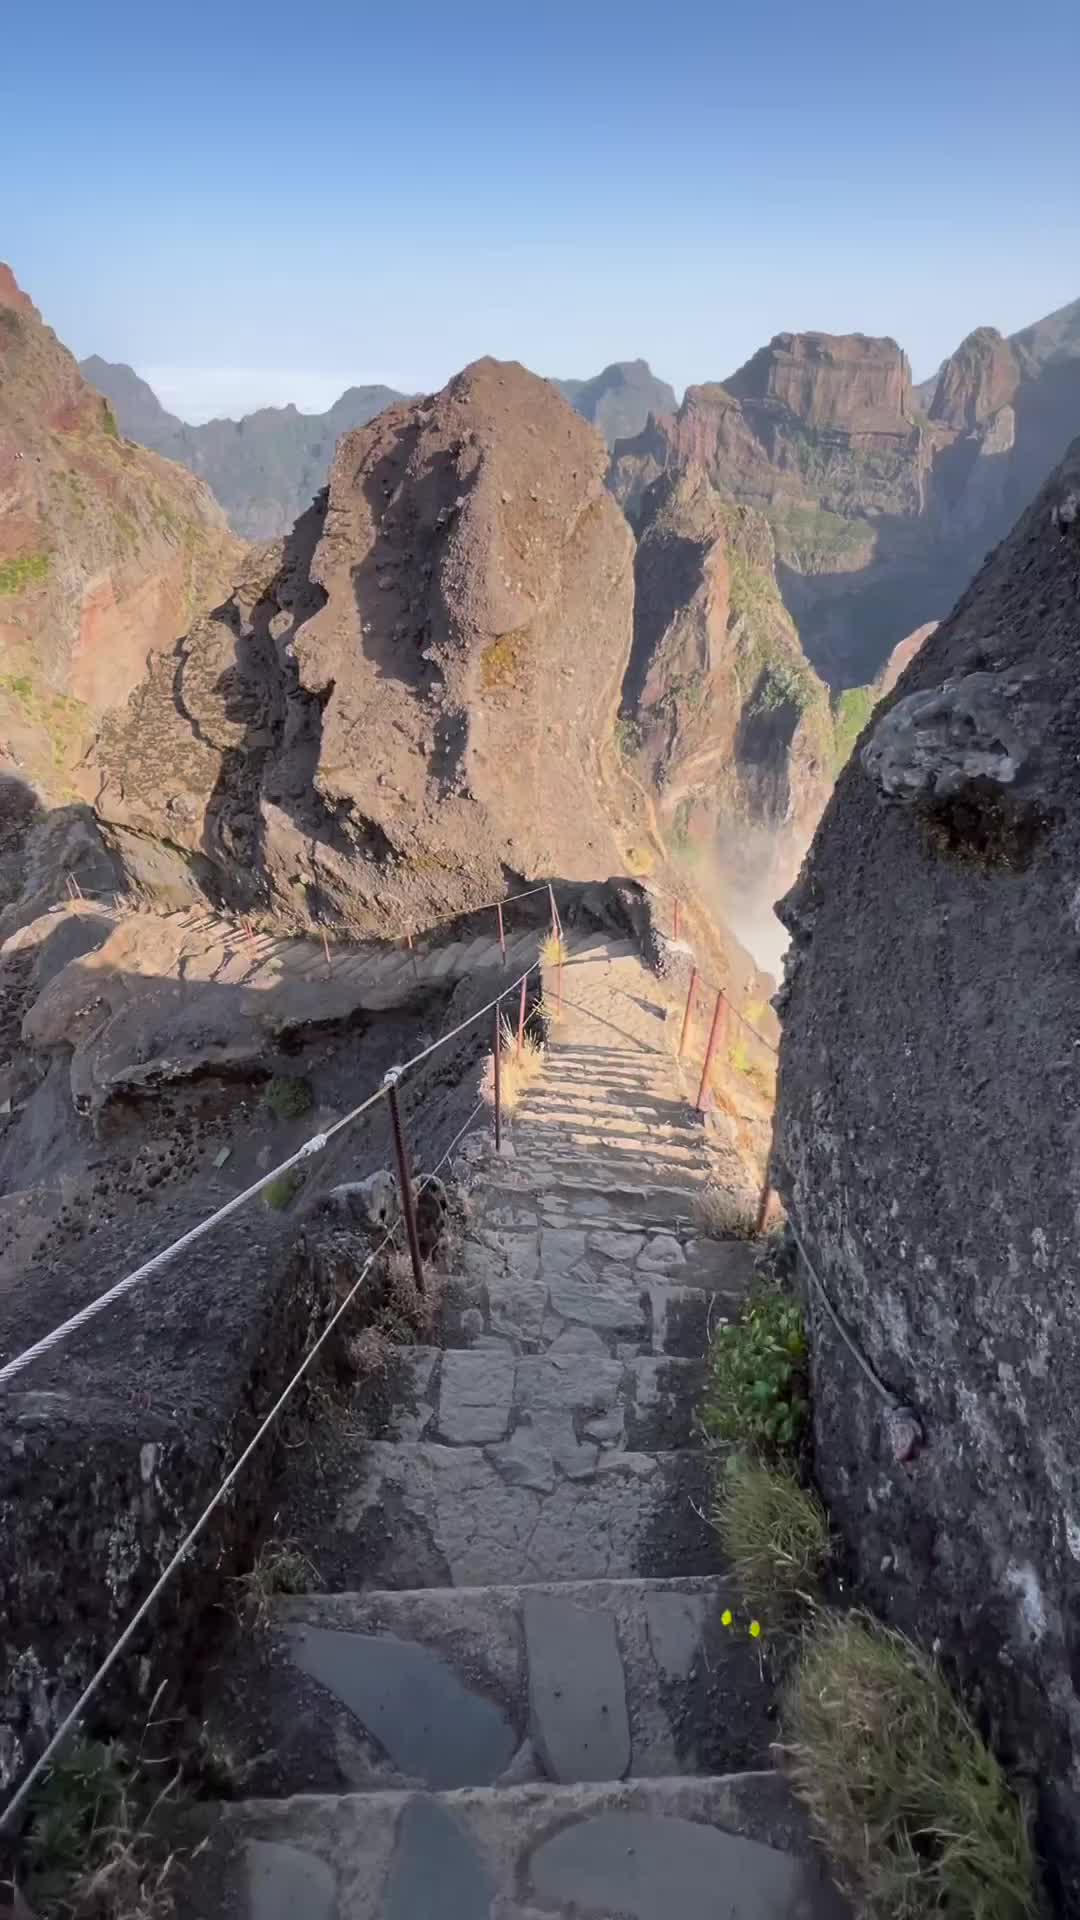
[284, 1881]
[437, 1873]
[661, 1253]
[577, 1690]
[645, 1868]
[476, 1390]
[414, 1703]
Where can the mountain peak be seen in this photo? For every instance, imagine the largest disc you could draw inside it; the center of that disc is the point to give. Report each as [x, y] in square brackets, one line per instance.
[12, 295]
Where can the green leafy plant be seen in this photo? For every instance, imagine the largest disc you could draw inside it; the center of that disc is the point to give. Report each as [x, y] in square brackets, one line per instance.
[282, 1191]
[108, 421]
[90, 1849]
[851, 711]
[755, 1397]
[774, 1532]
[908, 1799]
[627, 736]
[288, 1096]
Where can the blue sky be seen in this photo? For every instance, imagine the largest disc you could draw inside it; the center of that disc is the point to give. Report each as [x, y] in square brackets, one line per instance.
[261, 202]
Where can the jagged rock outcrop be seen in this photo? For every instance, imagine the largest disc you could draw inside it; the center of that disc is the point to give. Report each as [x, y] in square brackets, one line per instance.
[405, 703]
[620, 399]
[265, 468]
[882, 500]
[926, 1148]
[722, 716]
[106, 551]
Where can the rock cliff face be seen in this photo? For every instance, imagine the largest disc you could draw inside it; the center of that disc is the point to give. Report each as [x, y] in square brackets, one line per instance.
[882, 500]
[265, 468]
[926, 1147]
[106, 551]
[405, 704]
[722, 716]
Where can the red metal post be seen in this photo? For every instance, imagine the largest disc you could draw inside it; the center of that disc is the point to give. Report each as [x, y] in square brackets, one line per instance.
[714, 1034]
[521, 1015]
[401, 1151]
[498, 1082]
[690, 998]
[502, 932]
[556, 923]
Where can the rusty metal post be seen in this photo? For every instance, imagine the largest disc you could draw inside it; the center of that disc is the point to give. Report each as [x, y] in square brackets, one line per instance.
[498, 1081]
[502, 932]
[401, 1151]
[690, 998]
[714, 1034]
[675, 921]
[556, 923]
[521, 1016]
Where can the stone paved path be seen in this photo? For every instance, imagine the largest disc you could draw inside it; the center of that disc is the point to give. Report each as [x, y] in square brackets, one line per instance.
[525, 1703]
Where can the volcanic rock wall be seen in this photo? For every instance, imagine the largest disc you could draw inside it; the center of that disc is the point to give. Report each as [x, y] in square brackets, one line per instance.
[927, 1143]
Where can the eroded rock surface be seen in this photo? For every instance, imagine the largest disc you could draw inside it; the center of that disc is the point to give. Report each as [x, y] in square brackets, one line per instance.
[928, 1116]
[407, 702]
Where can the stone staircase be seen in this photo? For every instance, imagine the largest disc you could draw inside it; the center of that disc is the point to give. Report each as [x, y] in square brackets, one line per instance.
[522, 1700]
[373, 974]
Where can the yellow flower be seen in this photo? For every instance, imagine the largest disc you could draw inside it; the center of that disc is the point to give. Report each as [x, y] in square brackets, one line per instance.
[755, 1629]
[726, 1617]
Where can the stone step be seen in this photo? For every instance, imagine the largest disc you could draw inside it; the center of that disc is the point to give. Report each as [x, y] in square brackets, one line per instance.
[732, 1847]
[637, 1208]
[536, 1286]
[561, 1411]
[463, 1686]
[563, 1144]
[539, 1505]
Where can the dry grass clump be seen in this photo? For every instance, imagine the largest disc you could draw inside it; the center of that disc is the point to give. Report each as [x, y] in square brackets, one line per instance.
[725, 1215]
[553, 949]
[517, 1072]
[92, 1853]
[281, 1567]
[910, 1802]
[775, 1533]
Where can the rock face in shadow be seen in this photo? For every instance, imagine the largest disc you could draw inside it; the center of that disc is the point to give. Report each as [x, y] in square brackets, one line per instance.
[406, 702]
[106, 551]
[926, 1146]
[620, 399]
[723, 717]
[883, 500]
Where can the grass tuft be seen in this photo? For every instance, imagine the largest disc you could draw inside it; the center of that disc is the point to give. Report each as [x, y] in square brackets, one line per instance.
[288, 1096]
[280, 1568]
[516, 1075]
[724, 1215]
[909, 1801]
[91, 1853]
[553, 949]
[774, 1532]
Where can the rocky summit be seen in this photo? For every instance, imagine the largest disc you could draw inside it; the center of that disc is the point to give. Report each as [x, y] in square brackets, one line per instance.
[106, 551]
[405, 703]
[928, 1110]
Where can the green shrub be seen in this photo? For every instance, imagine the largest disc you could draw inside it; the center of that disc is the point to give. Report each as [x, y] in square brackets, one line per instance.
[851, 711]
[627, 736]
[25, 570]
[280, 1192]
[774, 1532]
[288, 1096]
[909, 1801]
[108, 421]
[91, 1849]
[756, 1386]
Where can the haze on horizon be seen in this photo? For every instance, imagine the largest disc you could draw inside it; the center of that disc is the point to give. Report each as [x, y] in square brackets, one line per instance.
[251, 214]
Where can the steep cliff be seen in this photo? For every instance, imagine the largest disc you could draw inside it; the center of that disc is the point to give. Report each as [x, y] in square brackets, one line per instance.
[106, 551]
[722, 716]
[882, 499]
[926, 1147]
[405, 703]
[265, 468]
